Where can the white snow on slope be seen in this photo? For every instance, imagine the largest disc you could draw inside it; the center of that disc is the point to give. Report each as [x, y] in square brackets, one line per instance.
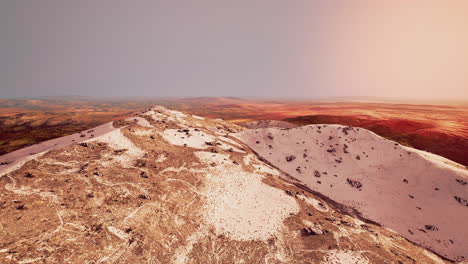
[17, 158]
[402, 188]
[239, 204]
[118, 141]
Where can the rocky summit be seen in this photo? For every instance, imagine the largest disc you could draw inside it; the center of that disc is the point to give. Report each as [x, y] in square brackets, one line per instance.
[169, 187]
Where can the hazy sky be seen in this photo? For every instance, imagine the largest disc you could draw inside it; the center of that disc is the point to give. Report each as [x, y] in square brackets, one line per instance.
[270, 48]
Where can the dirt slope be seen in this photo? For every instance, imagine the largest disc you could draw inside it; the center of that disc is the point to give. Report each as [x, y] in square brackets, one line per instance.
[169, 187]
[420, 195]
[267, 124]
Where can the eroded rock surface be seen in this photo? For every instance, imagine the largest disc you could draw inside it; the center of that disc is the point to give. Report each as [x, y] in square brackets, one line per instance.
[151, 190]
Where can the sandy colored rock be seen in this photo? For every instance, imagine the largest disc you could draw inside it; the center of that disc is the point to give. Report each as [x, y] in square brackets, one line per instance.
[136, 194]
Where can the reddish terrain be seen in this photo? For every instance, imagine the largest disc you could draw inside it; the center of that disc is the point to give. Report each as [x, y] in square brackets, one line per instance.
[169, 187]
[27, 122]
[440, 129]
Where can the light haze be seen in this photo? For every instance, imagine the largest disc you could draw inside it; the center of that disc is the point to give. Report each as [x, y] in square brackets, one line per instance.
[266, 48]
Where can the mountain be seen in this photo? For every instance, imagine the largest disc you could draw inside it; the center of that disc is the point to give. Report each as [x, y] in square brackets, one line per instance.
[169, 187]
[440, 136]
[420, 195]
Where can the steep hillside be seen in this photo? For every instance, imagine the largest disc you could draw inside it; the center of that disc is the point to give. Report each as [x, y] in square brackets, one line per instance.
[444, 137]
[168, 187]
[420, 195]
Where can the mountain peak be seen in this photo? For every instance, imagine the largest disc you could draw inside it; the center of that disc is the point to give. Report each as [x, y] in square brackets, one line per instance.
[164, 186]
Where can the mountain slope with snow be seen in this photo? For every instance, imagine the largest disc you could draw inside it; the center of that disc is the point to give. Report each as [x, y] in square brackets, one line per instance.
[420, 195]
[168, 187]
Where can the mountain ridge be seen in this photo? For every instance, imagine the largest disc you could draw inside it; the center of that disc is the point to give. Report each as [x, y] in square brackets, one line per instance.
[169, 187]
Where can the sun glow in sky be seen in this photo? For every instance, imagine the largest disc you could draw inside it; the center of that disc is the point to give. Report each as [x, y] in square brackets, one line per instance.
[413, 49]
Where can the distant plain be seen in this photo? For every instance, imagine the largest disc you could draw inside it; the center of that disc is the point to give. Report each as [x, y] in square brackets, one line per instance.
[438, 128]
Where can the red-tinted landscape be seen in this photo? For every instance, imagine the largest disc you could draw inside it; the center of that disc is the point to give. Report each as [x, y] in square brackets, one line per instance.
[437, 128]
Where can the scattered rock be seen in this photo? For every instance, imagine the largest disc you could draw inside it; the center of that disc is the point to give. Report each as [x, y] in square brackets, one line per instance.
[311, 231]
[462, 182]
[317, 173]
[290, 158]
[28, 175]
[83, 168]
[345, 149]
[96, 227]
[120, 151]
[21, 207]
[140, 163]
[345, 130]
[345, 223]
[355, 184]
[143, 174]
[431, 228]
[461, 200]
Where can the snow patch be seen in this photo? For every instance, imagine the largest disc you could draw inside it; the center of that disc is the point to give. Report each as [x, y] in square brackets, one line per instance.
[140, 121]
[239, 204]
[161, 158]
[116, 140]
[198, 117]
[196, 139]
[143, 133]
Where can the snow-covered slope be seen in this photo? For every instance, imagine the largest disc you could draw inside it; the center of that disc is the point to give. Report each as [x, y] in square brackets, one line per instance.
[420, 195]
[169, 187]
